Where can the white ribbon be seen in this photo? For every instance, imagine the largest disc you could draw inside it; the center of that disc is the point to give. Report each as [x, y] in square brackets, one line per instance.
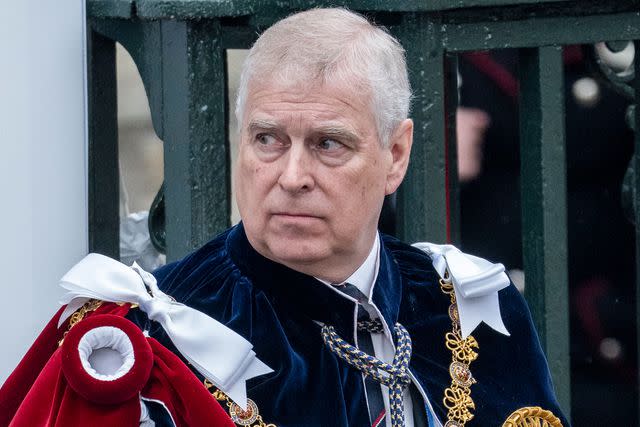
[476, 283]
[217, 352]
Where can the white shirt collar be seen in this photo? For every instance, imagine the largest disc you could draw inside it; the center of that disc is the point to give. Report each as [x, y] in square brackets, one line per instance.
[365, 276]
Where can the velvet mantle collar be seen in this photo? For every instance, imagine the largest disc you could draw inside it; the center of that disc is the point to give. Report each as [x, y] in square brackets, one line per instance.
[306, 296]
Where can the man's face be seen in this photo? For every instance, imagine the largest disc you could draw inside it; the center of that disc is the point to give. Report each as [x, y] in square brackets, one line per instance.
[312, 175]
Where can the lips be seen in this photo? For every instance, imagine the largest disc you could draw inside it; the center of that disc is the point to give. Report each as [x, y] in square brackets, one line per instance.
[295, 215]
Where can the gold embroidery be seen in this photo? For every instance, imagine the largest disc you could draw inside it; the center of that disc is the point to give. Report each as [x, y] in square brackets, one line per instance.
[532, 416]
[457, 397]
[247, 418]
[79, 314]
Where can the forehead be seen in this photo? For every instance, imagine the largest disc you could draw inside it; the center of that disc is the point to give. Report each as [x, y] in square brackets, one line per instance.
[298, 101]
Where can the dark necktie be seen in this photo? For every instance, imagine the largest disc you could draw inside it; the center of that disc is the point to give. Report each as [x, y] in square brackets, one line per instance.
[366, 326]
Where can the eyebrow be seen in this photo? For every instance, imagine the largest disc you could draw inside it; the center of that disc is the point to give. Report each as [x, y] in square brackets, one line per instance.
[328, 129]
[337, 131]
[262, 124]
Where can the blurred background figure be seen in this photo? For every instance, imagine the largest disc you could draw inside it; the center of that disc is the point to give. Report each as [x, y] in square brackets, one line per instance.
[472, 124]
[600, 239]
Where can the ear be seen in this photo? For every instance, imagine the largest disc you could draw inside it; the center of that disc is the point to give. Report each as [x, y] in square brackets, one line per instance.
[400, 148]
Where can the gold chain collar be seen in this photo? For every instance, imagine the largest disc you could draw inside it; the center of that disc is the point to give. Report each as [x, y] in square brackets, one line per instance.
[250, 417]
[457, 397]
[78, 315]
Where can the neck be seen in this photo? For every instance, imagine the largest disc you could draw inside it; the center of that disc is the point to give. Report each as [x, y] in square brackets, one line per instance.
[334, 269]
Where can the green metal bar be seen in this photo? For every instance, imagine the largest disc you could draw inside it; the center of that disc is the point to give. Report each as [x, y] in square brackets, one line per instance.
[190, 9]
[110, 8]
[422, 200]
[636, 192]
[413, 5]
[452, 187]
[544, 207]
[195, 134]
[142, 39]
[104, 216]
[238, 36]
[541, 31]
[181, 9]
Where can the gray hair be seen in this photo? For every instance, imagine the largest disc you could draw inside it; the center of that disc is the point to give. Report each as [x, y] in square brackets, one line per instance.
[333, 45]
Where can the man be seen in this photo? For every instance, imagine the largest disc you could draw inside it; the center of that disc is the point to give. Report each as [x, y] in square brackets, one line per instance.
[353, 323]
[323, 111]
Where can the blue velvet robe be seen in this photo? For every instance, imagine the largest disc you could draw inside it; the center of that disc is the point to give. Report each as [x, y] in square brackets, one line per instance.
[277, 310]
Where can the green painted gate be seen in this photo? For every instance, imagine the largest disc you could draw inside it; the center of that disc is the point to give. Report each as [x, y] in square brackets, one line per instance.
[179, 48]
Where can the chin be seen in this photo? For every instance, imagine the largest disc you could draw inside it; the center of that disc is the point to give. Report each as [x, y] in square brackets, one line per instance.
[299, 251]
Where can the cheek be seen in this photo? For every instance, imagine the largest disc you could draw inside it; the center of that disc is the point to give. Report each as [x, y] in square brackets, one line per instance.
[364, 194]
[370, 183]
[371, 186]
[244, 178]
[247, 168]
[253, 180]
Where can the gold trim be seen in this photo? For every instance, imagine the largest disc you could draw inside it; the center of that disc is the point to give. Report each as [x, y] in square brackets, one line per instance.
[532, 416]
[78, 315]
[249, 418]
[457, 397]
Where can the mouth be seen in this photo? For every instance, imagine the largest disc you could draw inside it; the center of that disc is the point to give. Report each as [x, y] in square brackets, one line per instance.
[295, 215]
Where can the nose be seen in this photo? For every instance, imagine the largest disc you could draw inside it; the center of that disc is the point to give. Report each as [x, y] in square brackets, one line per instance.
[296, 176]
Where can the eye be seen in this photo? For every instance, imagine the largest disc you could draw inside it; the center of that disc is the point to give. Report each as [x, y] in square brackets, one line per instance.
[266, 139]
[329, 145]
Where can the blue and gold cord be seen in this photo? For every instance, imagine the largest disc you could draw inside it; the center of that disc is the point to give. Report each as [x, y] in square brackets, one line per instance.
[394, 375]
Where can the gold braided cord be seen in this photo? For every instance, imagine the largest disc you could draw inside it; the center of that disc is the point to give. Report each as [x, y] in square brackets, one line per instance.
[532, 416]
[457, 397]
[246, 418]
[78, 315]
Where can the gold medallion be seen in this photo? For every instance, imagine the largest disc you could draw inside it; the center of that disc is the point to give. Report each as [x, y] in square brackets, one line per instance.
[532, 416]
[244, 417]
[461, 374]
[453, 313]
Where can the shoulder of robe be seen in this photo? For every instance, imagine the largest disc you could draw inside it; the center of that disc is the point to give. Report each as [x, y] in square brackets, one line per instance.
[208, 261]
[414, 264]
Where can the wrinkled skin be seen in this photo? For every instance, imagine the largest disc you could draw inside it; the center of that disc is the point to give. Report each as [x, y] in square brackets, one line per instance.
[312, 175]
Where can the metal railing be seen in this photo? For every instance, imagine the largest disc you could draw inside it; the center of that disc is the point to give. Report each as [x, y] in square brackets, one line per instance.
[179, 48]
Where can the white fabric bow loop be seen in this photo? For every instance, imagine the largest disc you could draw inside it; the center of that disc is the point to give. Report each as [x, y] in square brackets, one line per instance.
[476, 283]
[216, 351]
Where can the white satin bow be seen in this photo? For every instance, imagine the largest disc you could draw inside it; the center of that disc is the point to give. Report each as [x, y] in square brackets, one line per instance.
[476, 283]
[217, 352]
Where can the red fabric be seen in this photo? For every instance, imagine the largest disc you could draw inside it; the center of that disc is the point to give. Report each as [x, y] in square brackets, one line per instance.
[572, 54]
[110, 308]
[51, 388]
[184, 395]
[106, 392]
[497, 72]
[19, 382]
[503, 78]
[52, 403]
